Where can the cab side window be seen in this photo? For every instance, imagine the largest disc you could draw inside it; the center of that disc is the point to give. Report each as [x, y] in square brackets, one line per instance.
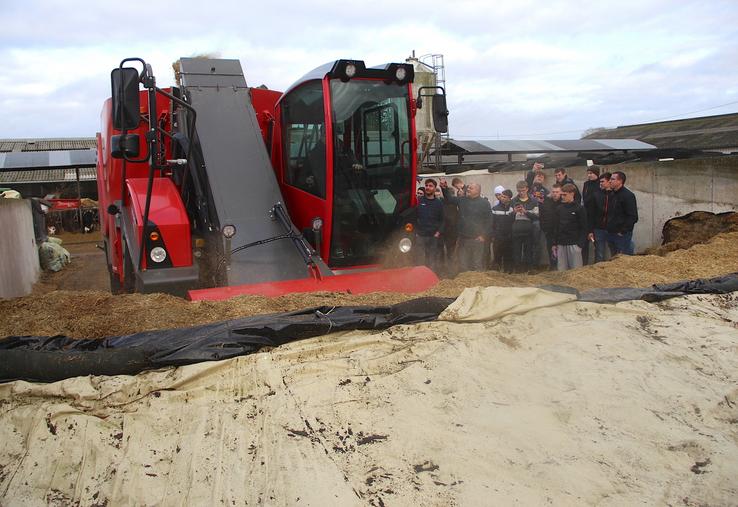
[303, 123]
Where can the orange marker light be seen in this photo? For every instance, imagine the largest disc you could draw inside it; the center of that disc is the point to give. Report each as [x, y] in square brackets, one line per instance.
[154, 236]
[409, 227]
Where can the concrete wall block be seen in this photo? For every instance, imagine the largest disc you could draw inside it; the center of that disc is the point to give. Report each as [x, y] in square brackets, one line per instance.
[19, 268]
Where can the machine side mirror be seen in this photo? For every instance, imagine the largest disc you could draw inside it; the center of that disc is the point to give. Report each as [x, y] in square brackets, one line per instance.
[440, 113]
[124, 146]
[126, 103]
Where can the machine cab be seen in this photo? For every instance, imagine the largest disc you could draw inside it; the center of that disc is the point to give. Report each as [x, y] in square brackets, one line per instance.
[344, 148]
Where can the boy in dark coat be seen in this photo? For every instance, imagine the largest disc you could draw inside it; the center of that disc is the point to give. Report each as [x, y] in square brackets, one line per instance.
[571, 230]
[524, 226]
[549, 216]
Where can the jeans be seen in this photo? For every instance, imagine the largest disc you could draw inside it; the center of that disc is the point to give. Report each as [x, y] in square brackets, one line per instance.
[523, 247]
[552, 262]
[535, 251]
[600, 245]
[620, 243]
[428, 251]
[470, 254]
[503, 254]
[585, 252]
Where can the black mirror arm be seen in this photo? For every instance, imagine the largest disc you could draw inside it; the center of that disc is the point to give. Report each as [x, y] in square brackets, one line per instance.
[419, 100]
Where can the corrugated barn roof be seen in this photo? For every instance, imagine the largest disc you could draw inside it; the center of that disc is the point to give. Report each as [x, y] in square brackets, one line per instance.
[47, 176]
[704, 133]
[80, 143]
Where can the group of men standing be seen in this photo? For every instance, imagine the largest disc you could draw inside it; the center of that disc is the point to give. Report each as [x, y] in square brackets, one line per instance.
[454, 233]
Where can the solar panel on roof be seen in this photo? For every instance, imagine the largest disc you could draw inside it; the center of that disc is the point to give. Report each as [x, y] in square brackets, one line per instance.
[47, 159]
[561, 145]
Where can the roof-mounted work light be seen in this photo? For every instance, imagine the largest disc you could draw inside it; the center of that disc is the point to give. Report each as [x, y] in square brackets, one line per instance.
[400, 73]
[347, 69]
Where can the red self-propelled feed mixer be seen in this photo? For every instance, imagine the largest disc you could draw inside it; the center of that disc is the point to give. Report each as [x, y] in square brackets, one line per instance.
[212, 189]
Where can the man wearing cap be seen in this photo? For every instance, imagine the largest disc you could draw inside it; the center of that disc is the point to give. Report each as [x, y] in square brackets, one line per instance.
[498, 190]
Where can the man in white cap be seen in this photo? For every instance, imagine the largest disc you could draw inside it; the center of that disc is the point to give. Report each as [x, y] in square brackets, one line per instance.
[498, 190]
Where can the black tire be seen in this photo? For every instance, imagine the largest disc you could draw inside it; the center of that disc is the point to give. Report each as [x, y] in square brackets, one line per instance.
[129, 276]
[115, 285]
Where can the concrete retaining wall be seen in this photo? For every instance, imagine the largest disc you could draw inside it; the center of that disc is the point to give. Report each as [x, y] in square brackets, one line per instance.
[19, 265]
[664, 190]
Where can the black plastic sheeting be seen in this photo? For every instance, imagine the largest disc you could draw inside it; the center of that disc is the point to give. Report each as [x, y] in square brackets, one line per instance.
[660, 292]
[48, 359]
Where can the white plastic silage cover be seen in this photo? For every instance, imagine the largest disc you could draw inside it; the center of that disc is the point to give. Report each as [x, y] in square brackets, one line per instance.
[477, 304]
[578, 403]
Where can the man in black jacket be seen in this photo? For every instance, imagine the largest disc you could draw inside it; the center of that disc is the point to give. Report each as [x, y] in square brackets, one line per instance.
[571, 230]
[590, 187]
[502, 221]
[597, 211]
[473, 224]
[622, 216]
[549, 216]
[428, 226]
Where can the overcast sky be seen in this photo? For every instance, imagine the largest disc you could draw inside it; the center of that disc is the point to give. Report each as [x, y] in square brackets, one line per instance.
[514, 69]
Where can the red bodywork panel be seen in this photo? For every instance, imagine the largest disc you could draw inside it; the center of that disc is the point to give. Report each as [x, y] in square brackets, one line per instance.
[405, 280]
[167, 212]
[110, 174]
[264, 102]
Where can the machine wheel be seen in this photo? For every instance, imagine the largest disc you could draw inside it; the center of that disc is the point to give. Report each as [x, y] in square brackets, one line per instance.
[129, 277]
[115, 285]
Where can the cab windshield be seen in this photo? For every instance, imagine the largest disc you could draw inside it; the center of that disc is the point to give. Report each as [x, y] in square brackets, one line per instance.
[371, 167]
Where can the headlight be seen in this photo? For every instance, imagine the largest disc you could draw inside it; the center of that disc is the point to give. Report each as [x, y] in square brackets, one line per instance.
[158, 254]
[350, 70]
[405, 245]
[229, 231]
[401, 73]
[317, 224]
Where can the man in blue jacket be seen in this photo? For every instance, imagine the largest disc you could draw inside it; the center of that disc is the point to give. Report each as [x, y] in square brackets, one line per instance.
[428, 226]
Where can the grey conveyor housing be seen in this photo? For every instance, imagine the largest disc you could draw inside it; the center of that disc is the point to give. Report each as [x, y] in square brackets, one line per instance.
[241, 180]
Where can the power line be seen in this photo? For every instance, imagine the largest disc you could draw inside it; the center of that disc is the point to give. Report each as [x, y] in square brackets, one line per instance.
[692, 112]
[494, 136]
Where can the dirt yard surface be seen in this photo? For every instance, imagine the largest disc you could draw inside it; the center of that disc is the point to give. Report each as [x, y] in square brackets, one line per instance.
[96, 313]
[87, 271]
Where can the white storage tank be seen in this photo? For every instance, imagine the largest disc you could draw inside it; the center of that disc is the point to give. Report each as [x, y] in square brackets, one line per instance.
[424, 76]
